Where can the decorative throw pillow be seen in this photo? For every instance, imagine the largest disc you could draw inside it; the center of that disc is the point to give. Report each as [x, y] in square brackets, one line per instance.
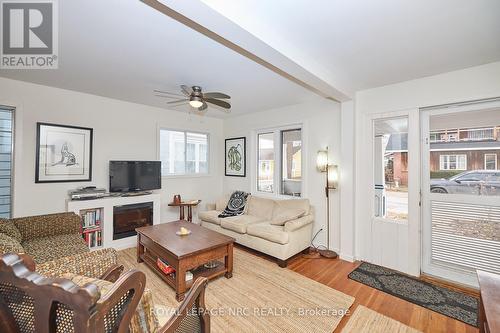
[235, 205]
[8, 227]
[287, 214]
[9, 245]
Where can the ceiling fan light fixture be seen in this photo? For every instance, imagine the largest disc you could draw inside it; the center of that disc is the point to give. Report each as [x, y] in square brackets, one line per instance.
[195, 102]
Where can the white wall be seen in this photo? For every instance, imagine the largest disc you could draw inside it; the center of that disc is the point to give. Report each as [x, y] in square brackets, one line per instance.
[397, 246]
[347, 181]
[122, 130]
[321, 128]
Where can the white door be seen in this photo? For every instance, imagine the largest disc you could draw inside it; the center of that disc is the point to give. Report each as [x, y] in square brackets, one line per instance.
[394, 239]
[461, 191]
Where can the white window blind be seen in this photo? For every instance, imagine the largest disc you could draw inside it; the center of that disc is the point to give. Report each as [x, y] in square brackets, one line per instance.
[6, 153]
[466, 235]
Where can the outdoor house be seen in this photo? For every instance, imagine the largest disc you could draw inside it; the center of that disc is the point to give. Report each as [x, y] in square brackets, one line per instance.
[452, 151]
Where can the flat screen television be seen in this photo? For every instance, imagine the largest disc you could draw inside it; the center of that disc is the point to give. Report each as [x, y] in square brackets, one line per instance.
[134, 176]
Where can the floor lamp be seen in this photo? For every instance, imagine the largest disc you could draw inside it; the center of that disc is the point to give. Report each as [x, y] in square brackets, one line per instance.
[331, 172]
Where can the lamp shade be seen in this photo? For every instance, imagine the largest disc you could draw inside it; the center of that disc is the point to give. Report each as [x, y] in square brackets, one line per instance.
[333, 176]
[322, 160]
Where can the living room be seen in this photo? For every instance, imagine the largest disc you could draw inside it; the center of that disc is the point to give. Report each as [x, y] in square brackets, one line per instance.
[331, 180]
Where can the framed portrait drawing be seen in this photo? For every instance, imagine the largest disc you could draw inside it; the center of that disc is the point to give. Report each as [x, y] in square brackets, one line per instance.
[63, 153]
[235, 157]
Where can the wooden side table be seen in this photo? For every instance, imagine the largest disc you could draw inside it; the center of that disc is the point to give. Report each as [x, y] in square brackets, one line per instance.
[489, 302]
[189, 205]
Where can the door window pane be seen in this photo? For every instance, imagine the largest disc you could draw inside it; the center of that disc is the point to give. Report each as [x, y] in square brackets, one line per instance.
[463, 161]
[291, 160]
[391, 168]
[265, 167]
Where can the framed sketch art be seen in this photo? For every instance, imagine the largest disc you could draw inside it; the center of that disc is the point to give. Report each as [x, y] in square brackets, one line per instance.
[63, 153]
[236, 157]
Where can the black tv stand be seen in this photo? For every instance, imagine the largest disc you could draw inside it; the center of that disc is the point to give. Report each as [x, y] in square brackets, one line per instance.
[136, 194]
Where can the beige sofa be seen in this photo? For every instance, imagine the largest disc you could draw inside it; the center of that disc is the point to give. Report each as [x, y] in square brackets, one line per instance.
[279, 228]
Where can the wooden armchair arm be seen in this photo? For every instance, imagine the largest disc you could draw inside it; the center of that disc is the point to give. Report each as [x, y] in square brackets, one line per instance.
[28, 261]
[112, 273]
[133, 281]
[196, 297]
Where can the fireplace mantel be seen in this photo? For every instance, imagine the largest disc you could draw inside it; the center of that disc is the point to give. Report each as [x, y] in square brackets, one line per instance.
[107, 205]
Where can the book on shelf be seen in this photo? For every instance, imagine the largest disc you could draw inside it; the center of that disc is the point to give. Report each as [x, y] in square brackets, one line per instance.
[93, 238]
[91, 218]
[91, 228]
[169, 270]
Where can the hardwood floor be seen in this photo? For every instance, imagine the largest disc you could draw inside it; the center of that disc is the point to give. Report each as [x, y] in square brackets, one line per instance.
[333, 273]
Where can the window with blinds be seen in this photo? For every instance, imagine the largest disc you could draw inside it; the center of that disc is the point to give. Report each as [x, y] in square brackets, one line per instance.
[466, 235]
[6, 157]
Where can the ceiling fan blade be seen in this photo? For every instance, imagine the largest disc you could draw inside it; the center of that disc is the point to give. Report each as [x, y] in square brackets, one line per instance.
[186, 90]
[166, 93]
[217, 102]
[203, 107]
[178, 101]
[216, 95]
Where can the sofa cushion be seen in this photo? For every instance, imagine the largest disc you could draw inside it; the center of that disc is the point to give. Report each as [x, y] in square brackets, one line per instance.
[10, 245]
[211, 216]
[240, 223]
[236, 204]
[9, 228]
[282, 215]
[260, 207]
[293, 204]
[272, 233]
[55, 247]
[144, 319]
[298, 223]
[32, 227]
[221, 203]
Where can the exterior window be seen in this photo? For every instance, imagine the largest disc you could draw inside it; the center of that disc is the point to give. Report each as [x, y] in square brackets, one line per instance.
[279, 162]
[490, 161]
[6, 155]
[265, 169]
[291, 162]
[453, 162]
[183, 153]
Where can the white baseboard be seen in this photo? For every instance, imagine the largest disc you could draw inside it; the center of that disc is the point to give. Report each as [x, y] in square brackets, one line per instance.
[346, 257]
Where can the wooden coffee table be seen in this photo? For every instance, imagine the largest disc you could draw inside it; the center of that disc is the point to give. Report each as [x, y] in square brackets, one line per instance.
[184, 253]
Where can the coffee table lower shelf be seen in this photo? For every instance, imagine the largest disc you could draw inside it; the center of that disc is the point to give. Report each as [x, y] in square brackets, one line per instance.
[209, 273]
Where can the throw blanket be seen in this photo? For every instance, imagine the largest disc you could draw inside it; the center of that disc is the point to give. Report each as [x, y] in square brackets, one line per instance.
[235, 205]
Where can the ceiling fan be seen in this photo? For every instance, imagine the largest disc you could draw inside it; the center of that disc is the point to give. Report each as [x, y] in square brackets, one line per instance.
[196, 98]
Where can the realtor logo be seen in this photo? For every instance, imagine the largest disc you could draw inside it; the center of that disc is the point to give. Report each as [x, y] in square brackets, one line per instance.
[29, 34]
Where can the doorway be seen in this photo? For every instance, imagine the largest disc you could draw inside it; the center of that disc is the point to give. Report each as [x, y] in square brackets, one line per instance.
[461, 191]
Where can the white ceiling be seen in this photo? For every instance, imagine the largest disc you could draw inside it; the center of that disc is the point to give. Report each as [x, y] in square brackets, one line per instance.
[124, 49]
[360, 44]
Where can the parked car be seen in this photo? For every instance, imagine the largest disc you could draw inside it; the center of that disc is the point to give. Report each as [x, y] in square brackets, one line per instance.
[479, 182]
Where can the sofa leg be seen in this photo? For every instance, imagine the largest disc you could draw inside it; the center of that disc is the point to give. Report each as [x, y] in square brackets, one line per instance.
[282, 263]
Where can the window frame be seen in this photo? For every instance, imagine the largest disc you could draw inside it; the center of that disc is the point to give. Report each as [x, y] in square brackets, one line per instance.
[496, 161]
[258, 165]
[278, 156]
[185, 132]
[444, 165]
[13, 111]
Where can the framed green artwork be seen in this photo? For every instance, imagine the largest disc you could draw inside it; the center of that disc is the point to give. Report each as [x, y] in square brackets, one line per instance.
[235, 157]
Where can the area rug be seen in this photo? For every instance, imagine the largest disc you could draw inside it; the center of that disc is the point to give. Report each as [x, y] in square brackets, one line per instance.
[448, 302]
[366, 320]
[260, 297]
